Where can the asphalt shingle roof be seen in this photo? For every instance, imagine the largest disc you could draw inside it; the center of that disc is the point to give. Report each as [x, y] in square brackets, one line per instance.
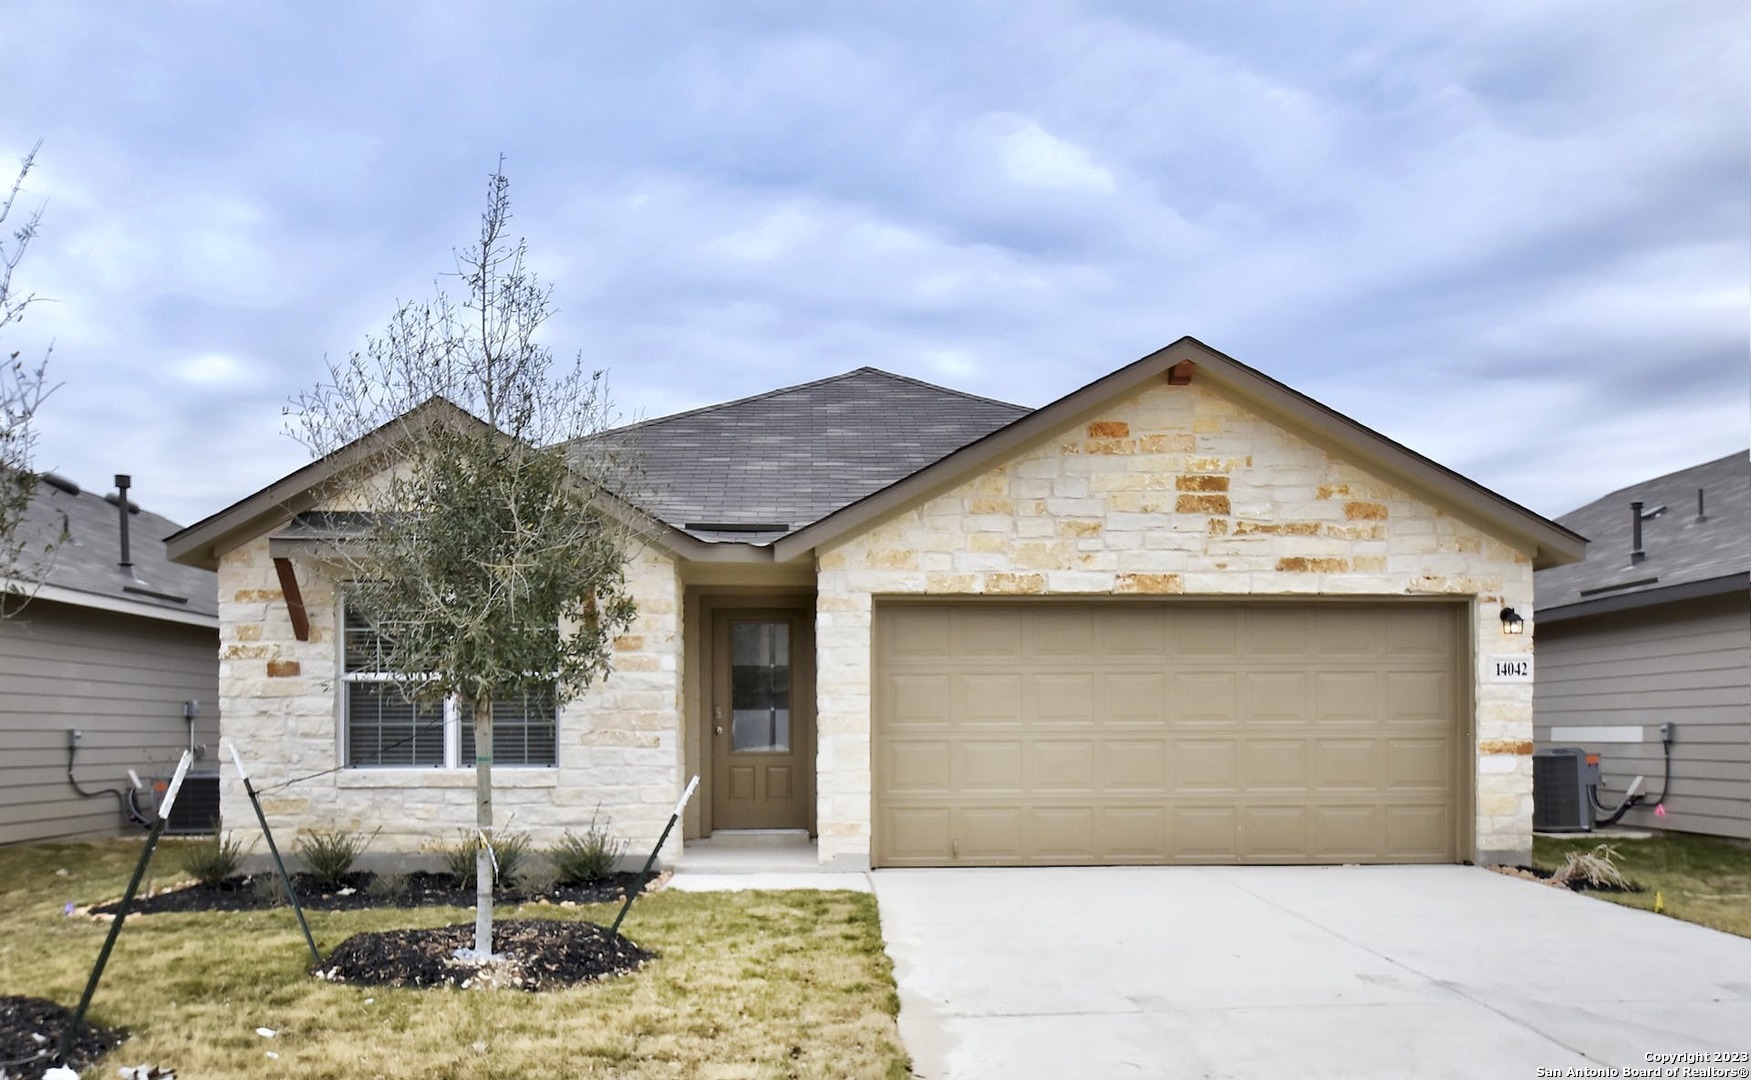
[1679, 549]
[86, 530]
[788, 458]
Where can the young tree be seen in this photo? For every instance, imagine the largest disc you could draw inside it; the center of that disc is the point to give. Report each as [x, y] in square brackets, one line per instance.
[23, 387]
[483, 542]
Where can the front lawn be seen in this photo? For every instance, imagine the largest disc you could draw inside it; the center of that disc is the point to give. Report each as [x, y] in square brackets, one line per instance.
[1700, 879]
[762, 984]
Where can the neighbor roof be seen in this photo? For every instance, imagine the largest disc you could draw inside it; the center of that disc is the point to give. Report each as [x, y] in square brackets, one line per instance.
[1684, 555]
[758, 468]
[85, 568]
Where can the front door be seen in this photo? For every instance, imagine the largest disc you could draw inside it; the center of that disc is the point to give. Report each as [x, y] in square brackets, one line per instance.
[762, 720]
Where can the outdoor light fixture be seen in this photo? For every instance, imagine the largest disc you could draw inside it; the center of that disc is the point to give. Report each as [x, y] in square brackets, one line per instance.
[1512, 623]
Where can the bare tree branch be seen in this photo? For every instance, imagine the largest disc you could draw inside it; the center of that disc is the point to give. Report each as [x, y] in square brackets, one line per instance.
[24, 387]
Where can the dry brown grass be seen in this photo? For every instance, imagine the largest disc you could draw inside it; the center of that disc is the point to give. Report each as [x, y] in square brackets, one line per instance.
[764, 984]
[1700, 879]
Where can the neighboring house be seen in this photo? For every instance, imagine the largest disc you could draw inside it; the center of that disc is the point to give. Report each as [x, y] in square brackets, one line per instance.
[1184, 614]
[115, 643]
[1654, 627]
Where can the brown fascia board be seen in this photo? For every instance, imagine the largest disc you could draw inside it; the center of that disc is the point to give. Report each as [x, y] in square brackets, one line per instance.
[1549, 543]
[202, 543]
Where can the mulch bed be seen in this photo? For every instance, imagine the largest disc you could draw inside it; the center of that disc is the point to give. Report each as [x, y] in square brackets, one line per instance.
[1540, 874]
[529, 954]
[262, 891]
[31, 1027]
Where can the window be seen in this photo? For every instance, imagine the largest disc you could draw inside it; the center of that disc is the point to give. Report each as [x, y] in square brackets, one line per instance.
[386, 730]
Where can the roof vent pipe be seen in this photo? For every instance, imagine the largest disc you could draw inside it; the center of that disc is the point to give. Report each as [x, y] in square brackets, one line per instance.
[1636, 554]
[123, 480]
[1700, 516]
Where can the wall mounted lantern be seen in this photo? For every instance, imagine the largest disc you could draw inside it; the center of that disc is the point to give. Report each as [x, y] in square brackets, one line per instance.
[1512, 622]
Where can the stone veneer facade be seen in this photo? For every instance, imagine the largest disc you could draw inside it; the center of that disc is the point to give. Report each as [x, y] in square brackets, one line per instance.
[1176, 491]
[619, 745]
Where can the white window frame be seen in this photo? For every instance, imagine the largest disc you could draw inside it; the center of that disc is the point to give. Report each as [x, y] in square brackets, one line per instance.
[452, 717]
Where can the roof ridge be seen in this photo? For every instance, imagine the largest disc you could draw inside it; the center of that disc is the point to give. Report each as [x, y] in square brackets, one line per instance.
[811, 384]
[728, 404]
[1736, 455]
[945, 389]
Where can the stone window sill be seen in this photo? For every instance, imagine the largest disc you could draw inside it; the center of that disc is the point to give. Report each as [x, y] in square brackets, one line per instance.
[503, 777]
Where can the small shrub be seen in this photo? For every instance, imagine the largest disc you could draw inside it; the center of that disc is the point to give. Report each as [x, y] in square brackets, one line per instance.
[387, 886]
[329, 855]
[267, 890]
[586, 859]
[537, 878]
[1596, 869]
[510, 851]
[211, 861]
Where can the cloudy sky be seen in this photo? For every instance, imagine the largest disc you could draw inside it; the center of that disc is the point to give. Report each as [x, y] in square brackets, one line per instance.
[1514, 235]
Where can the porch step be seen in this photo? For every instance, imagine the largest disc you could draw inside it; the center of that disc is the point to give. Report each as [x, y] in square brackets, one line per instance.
[751, 851]
[736, 839]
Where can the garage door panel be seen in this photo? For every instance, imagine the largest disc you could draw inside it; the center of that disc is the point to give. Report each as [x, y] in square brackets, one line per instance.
[988, 700]
[1059, 635]
[1346, 695]
[1166, 733]
[1133, 697]
[917, 766]
[1272, 833]
[990, 633]
[1062, 832]
[918, 700]
[1347, 833]
[990, 765]
[1205, 833]
[1274, 765]
[1206, 766]
[919, 835]
[1418, 695]
[991, 833]
[1132, 833]
[1204, 697]
[1276, 697]
[1418, 764]
[1416, 833]
[1062, 765]
[1347, 764]
[1135, 766]
[1061, 699]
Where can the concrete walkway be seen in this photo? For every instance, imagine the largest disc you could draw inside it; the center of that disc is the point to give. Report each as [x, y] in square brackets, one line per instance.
[1294, 972]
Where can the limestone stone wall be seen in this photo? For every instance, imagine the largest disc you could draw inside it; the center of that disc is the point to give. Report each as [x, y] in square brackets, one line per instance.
[1175, 492]
[619, 745]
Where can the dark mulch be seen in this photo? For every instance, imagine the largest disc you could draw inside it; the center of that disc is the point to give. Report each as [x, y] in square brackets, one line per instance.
[261, 891]
[1539, 873]
[30, 1028]
[537, 954]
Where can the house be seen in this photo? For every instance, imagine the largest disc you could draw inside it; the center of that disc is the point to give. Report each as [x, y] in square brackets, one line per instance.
[1654, 628]
[1183, 614]
[118, 644]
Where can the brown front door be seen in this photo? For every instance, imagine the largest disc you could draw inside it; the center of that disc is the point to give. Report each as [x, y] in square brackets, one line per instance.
[762, 720]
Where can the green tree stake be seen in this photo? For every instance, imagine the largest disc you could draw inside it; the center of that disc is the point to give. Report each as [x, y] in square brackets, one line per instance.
[274, 850]
[115, 928]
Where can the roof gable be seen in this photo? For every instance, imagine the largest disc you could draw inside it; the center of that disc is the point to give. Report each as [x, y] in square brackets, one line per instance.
[1548, 543]
[1679, 549]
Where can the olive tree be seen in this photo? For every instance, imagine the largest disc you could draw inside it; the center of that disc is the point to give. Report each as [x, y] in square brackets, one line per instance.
[482, 537]
[23, 386]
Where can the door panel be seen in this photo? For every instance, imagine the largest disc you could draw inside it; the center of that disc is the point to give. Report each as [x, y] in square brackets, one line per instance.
[762, 733]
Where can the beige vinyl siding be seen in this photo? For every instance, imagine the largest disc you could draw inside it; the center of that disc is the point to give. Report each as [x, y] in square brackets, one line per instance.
[121, 679]
[1688, 664]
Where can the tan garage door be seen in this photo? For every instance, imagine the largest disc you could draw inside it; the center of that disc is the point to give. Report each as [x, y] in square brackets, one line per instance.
[1057, 733]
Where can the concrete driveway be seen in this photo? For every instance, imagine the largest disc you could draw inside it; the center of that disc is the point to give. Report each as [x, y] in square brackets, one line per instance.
[1296, 972]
